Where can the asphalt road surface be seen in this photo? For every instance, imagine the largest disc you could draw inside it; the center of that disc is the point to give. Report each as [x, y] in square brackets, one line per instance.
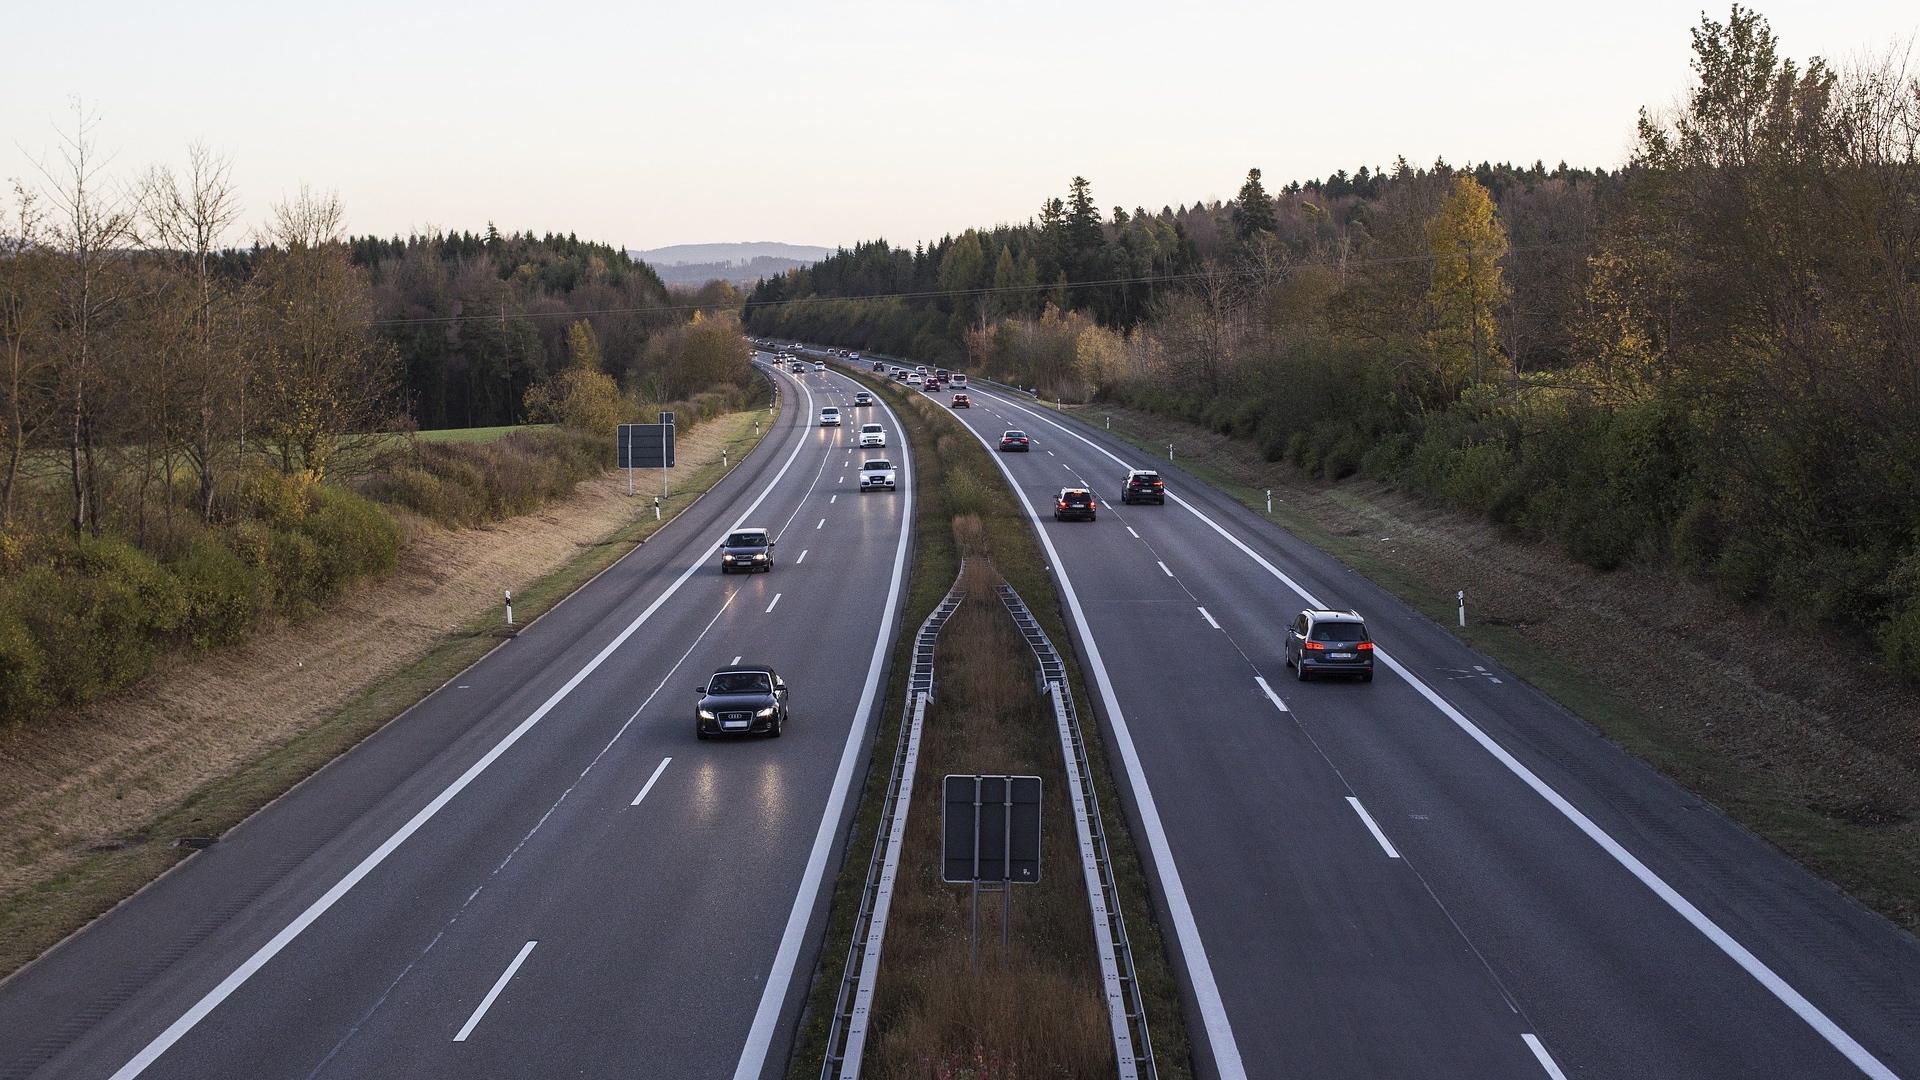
[537, 871]
[1438, 874]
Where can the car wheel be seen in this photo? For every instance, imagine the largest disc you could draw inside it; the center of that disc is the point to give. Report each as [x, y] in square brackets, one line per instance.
[1300, 669]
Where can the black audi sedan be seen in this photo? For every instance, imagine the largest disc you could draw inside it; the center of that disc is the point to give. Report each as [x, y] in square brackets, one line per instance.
[741, 700]
[746, 549]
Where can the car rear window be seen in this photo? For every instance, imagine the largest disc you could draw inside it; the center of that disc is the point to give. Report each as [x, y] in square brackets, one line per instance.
[740, 682]
[1076, 498]
[1339, 631]
[1014, 435]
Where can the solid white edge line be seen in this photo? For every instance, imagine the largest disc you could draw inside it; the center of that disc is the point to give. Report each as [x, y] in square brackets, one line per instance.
[499, 985]
[776, 599]
[211, 1000]
[1540, 1054]
[1385, 845]
[1835, 1036]
[648, 786]
[753, 1053]
[1206, 992]
[1209, 617]
[1271, 696]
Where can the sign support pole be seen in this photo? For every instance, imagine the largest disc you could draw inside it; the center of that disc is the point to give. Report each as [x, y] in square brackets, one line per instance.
[973, 936]
[1006, 868]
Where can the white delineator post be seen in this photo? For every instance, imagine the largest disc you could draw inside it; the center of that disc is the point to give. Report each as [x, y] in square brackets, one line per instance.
[1462, 597]
[1269, 500]
[509, 593]
[1169, 451]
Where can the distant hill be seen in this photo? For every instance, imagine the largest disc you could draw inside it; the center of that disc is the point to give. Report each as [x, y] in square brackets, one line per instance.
[743, 264]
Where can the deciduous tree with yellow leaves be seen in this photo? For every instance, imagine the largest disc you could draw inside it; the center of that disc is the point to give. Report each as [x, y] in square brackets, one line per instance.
[1467, 242]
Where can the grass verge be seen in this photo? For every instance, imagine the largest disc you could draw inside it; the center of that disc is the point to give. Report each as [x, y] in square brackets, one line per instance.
[40, 915]
[963, 503]
[1771, 755]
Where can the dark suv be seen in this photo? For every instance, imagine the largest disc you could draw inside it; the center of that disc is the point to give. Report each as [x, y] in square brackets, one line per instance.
[746, 549]
[1330, 643]
[1143, 485]
[749, 700]
[1074, 504]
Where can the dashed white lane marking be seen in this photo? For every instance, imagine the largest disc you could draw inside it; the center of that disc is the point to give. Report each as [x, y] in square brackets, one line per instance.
[1163, 567]
[1136, 535]
[1375, 830]
[736, 659]
[776, 600]
[823, 522]
[832, 499]
[1209, 618]
[1540, 1054]
[796, 562]
[487, 1002]
[1267, 690]
[662, 767]
[842, 479]
[1050, 453]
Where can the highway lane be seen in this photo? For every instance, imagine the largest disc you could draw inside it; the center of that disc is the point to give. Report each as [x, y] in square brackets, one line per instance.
[548, 920]
[1375, 892]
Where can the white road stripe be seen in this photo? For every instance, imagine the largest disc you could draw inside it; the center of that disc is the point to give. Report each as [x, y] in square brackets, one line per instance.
[211, 1000]
[1136, 535]
[1540, 1054]
[1372, 828]
[736, 659]
[1163, 567]
[823, 522]
[842, 480]
[1209, 618]
[831, 499]
[662, 767]
[1268, 690]
[487, 1002]
[1823, 1025]
[776, 599]
[796, 562]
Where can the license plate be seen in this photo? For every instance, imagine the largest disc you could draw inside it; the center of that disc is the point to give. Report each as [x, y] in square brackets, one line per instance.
[1339, 656]
[733, 724]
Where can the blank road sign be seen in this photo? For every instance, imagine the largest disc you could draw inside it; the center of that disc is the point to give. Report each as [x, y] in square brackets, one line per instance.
[646, 446]
[990, 829]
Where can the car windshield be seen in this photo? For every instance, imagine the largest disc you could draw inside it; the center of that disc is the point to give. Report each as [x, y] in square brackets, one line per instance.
[877, 464]
[1340, 632]
[747, 539]
[740, 682]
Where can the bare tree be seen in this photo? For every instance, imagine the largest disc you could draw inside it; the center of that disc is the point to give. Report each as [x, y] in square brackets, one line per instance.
[24, 365]
[191, 216]
[92, 232]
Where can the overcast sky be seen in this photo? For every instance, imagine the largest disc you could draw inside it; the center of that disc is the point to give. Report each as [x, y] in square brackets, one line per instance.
[650, 124]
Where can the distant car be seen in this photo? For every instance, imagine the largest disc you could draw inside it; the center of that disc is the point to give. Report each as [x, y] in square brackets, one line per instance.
[960, 401]
[913, 378]
[1074, 504]
[900, 374]
[957, 380]
[819, 366]
[872, 435]
[797, 368]
[1014, 441]
[854, 356]
[862, 398]
[879, 366]
[940, 374]
[741, 700]
[830, 417]
[1329, 643]
[876, 474]
[746, 549]
[1143, 485]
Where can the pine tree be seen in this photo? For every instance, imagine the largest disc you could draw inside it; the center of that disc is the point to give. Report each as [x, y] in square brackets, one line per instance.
[1253, 209]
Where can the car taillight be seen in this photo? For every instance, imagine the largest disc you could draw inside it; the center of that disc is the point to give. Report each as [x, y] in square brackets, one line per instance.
[1063, 504]
[1365, 646]
[1159, 483]
[1314, 645]
[1092, 504]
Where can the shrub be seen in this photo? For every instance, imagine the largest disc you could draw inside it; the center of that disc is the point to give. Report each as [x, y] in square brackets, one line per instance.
[352, 537]
[223, 594]
[23, 691]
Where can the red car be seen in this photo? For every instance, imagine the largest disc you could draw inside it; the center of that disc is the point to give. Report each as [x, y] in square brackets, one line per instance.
[960, 402]
[1014, 440]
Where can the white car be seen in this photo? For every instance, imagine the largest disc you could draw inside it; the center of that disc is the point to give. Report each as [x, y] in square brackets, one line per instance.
[958, 381]
[872, 435]
[913, 378]
[830, 417]
[819, 365]
[876, 474]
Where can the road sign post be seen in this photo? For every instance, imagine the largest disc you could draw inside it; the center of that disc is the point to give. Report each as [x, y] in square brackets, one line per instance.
[990, 841]
[647, 446]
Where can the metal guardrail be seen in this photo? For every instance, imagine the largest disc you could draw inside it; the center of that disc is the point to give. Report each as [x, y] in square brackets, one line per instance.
[1126, 1012]
[853, 1006]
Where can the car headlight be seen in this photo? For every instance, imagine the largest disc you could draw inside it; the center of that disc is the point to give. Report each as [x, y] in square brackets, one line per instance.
[706, 714]
[762, 557]
[764, 714]
[726, 558]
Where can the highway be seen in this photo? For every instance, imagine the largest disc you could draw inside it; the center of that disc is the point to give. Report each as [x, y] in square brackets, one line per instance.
[537, 870]
[1438, 874]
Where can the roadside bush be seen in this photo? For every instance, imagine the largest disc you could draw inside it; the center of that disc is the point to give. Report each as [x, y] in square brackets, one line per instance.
[351, 538]
[223, 594]
[23, 690]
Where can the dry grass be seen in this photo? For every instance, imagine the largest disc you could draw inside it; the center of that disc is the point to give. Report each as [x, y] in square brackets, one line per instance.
[1823, 760]
[1037, 1010]
[83, 793]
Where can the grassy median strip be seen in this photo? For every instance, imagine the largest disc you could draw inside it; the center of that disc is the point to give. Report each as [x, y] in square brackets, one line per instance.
[964, 506]
[40, 915]
[1753, 749]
